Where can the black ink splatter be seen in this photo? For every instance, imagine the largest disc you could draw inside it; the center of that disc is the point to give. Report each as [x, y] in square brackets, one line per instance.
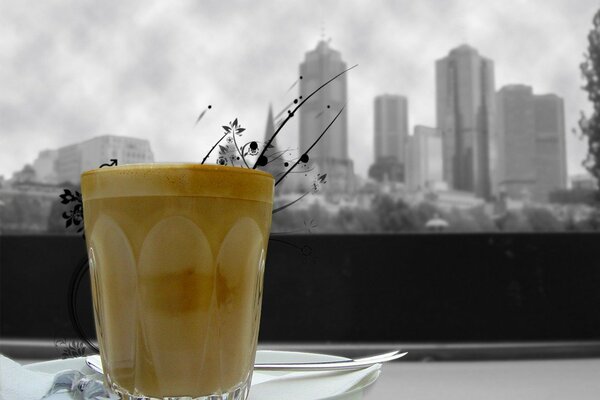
[304, 158]
[262, 161]
[310, 148]
[202, 115]
[300, 105]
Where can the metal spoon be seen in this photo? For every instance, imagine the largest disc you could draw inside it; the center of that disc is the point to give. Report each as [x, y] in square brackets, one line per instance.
[95, 363]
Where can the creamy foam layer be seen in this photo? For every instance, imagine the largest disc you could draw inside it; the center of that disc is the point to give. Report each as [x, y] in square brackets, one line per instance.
[177, 180]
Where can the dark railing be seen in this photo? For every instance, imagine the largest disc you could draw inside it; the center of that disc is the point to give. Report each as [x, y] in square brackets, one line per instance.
[445, 288]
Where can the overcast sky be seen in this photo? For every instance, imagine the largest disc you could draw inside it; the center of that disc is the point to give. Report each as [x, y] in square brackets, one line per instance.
[71, 70]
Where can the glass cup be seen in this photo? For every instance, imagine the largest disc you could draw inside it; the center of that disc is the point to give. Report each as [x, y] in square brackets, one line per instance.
[177, 255]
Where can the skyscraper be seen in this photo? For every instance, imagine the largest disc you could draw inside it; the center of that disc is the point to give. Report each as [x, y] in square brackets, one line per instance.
[531, 143]
[516, 141]
[465, 117]
[424, 158]
[550, 157]
[391, 127]
[331, 153]
[391, 135]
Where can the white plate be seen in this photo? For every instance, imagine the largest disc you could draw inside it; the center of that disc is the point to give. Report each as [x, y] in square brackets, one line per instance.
[303, 386]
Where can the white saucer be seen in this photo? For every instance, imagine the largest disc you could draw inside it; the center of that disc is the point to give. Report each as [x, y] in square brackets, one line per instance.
[300, 386]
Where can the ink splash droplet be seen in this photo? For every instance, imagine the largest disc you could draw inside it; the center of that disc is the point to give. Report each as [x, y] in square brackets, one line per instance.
[285, 164]
[295, 101]
[262, 161]
[300, 97]
[300, 76]
[328, 106]
[304, 158]
[253, 145]
[209, 106]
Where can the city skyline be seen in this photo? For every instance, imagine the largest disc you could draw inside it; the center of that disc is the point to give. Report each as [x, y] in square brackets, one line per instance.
[64, 90]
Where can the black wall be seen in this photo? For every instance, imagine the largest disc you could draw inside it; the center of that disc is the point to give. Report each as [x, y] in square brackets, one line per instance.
[347, 288]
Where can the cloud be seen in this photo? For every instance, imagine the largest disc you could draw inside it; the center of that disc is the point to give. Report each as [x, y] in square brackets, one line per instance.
[77, 69]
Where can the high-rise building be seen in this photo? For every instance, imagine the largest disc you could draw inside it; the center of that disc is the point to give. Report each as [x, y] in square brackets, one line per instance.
[465, 118]
[72, 160]
[330, 155]
[391, 127]
[44, 166]
[516, 141]
[391, 135]
[531, 143]
[424, 159]
[550, 156]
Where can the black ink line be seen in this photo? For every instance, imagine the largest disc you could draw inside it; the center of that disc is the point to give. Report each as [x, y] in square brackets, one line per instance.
[297, 107]
[113, 163]
[282, 111]
[310, 148]
[238, 149]
[210, 151]
[200, 117]
[293, 84]
[289, 204]
[82, 268]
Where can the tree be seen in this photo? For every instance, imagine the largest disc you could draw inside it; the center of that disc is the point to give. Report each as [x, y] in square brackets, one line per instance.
[590, 126]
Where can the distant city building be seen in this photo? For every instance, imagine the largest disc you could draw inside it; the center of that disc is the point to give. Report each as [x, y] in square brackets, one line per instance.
[26, 175]
[74, 159]
[387, 169]
[465, 117]
[331, 153]
[584, 181]
[550, 156]
[424, 168]
[391, 127]
[391, 133]
[516, 141]
[530, 141]
[44, 166]
[26, 203]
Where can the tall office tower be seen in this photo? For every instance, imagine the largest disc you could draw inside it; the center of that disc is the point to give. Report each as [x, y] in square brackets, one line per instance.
[72, 160]
[424, 159]
[531, 143]
[550, 156]
[465, 118]
[391, 127]
[516, 141]
[391, 135]
[331, 153]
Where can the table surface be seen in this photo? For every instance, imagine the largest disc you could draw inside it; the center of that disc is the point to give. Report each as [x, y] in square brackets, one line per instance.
[490, 380]
[515, 380]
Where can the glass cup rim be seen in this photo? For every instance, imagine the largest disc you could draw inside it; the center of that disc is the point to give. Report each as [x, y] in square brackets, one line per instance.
[177, 166]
